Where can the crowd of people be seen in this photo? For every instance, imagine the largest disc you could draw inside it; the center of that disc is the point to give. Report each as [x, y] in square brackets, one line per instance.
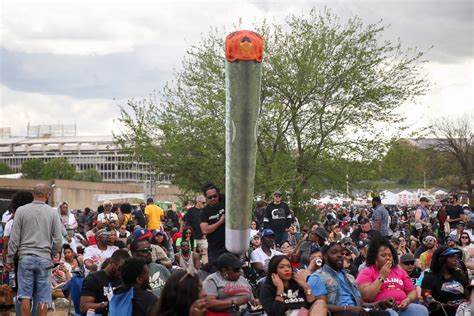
[354, 260]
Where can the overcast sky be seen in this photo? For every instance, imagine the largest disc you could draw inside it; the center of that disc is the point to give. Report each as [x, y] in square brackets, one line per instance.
[73, 61]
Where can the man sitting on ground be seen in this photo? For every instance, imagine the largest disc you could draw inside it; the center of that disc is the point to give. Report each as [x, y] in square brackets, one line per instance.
[95, 255]
[98, 286]
[158, 255]
[260, 257]
[343, 295]
[135, 274]
[158, 273]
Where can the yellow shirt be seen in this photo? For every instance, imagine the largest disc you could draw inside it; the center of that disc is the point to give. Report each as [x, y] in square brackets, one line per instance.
[154, 214]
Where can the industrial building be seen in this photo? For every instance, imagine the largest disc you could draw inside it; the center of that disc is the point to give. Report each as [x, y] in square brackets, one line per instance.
[45, 142]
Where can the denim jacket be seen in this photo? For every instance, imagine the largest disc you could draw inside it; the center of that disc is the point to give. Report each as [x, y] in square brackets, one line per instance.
[329, 277]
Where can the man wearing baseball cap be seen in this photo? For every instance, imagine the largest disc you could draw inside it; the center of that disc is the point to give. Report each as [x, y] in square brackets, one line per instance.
[260, 257]
[278, 218]
[362, 247]
[407, 263]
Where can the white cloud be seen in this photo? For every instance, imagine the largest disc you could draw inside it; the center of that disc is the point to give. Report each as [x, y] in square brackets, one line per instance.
[105, 27]
[140, 42]
[451, 94]
[92, 116]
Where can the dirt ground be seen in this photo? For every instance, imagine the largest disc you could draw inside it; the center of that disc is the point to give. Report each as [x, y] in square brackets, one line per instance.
[59, 312]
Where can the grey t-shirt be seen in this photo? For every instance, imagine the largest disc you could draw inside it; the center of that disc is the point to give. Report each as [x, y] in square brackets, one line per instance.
[216, 285]
[158, 276]
[381, 213]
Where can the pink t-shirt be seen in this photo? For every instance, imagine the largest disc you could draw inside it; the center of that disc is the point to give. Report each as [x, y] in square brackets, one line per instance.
[397, 284]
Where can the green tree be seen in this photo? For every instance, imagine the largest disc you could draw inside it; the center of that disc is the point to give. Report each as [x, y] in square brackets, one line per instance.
[455, 138]
[31, 169]
[58, 168]
[5, 169]
[327, 89]
[404, 162]
[91, 175]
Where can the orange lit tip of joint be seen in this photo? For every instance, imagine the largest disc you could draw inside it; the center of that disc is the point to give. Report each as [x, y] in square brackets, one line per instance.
[244, 45]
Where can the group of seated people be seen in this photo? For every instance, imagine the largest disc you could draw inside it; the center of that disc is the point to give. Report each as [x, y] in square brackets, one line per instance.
[370, 277]
[349, 270]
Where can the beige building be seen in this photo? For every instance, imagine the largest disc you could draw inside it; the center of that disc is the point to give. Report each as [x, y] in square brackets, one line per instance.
[81, 194]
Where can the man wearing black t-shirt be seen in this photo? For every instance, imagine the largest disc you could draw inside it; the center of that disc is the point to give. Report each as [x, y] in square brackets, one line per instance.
[366, 228]
[212, 224]
[453, 211]
[192, 218]
[278, 218]
[98, 286]
[135, 274]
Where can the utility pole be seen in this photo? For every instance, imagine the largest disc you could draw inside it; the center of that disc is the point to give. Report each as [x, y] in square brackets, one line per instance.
[424, 180]
[347, 184]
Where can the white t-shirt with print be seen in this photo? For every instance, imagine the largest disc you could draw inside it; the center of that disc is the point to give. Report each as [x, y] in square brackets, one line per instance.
[98, 256]
[258, 255]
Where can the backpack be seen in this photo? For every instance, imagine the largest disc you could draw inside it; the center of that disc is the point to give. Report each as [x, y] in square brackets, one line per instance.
[140, 218]
[122, 304]
[172, 219]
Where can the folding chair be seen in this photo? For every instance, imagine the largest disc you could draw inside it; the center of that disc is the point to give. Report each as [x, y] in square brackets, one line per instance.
[122, 304]
[75, 290]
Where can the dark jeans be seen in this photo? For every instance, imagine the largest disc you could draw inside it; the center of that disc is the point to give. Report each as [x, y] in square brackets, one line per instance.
[280, 238]
[212, 255]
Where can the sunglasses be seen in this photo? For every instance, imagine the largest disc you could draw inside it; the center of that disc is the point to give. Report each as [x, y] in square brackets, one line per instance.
[107, 205]
[234, 269]
[210, 197]
[464, 237]
[144, 250]
[409, 263]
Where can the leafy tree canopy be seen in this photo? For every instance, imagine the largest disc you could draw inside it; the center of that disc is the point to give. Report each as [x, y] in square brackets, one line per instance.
[91, 175]
[31, 169]
[329, 88]
[5, 169]
[58, 168]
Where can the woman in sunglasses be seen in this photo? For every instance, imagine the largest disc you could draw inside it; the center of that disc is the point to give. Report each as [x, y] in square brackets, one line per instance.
[403, 248]
[227, 291]
[465, 241]
[187, 235]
